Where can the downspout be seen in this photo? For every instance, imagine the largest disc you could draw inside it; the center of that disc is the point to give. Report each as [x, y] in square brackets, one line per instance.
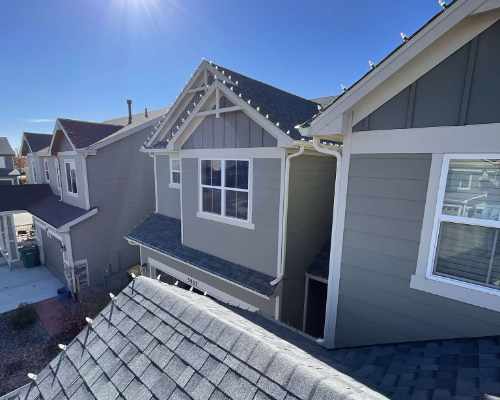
[335, 215]
[281, 271]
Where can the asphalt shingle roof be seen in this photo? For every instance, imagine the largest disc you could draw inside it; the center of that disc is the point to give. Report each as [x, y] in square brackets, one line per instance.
[39, 201]
[283, 107]
[5, 147]
[38, 141]
[157, 341]
[164, 235]
[83, 133]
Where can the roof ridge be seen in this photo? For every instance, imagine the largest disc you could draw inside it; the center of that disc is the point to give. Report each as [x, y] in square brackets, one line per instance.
[89, 122]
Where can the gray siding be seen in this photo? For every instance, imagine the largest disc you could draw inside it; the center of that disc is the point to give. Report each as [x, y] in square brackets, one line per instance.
[256, 249]
[230, 130]
[265, 306]
[53, 255]
[121, 186]
[385, 207]
[310, 199]
[169, 199]
[461, 90]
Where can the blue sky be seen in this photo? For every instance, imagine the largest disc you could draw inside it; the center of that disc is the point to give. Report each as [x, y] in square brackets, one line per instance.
[83, 58]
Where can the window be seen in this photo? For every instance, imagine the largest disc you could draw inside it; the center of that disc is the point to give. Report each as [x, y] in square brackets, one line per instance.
[467, 227]
[175, 172]
[3, 163]
[71, 185]
[46, 170]
[225, 190]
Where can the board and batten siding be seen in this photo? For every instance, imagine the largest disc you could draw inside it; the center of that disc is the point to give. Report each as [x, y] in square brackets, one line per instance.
[253, 248]
[169, 199]
[230, 130]
[461, 90]
[385, 207]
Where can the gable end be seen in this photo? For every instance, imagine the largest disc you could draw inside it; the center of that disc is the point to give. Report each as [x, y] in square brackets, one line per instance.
[461, 90]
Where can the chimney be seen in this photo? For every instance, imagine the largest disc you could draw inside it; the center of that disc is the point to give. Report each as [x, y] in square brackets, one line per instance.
[145, 112]
[129, 103]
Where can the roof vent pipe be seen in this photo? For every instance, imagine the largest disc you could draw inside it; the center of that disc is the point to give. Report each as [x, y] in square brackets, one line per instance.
[129, 104]
[146, 112]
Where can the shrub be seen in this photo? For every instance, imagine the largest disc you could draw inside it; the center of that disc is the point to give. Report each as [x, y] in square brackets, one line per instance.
[23, 316]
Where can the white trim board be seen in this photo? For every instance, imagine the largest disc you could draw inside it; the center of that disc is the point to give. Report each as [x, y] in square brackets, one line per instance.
[232, 153]
[197, 284]
[481, 138]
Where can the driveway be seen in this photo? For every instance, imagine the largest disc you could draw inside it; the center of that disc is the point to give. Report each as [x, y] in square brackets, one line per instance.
[25, 285]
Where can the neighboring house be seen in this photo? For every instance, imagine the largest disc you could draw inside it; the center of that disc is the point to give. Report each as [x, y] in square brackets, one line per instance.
[32, 146]
[8, 172]
[94, 187]
[415, 249]
[156, 341]
[227, 222]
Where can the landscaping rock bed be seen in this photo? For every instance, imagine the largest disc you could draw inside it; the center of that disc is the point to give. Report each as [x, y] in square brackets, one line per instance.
[30, 349]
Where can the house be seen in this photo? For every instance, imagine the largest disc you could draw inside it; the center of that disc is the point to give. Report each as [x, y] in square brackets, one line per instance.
[243, 201]
[32, 146]
[415, 229]
[8, 172]
[158, 341]
[92, 186]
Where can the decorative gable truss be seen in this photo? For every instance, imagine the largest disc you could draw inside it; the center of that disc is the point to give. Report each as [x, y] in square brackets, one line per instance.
[211, 91]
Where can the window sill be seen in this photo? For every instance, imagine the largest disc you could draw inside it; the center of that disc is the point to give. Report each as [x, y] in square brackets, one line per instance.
[457, 290]
[225, 220]
[174, 185]
[71, 194]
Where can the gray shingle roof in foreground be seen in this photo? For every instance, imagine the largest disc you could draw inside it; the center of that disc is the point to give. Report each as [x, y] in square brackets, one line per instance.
[158, 341]
[163, 234]
[458, 369]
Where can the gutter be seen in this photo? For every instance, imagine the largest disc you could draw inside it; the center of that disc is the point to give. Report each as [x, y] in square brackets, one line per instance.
[334, 234]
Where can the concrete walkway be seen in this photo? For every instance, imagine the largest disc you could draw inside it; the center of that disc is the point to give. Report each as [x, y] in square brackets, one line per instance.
[25, 285]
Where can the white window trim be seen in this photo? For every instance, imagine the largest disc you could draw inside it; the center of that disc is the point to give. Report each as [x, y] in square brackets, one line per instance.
[174, 185]
[424, 278]
[223, 218]
[3, 162]
[46, 172]
[68, 191]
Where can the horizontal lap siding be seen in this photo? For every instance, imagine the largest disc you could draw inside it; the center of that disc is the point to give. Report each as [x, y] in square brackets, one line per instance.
[385, 207]
[169, 199]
